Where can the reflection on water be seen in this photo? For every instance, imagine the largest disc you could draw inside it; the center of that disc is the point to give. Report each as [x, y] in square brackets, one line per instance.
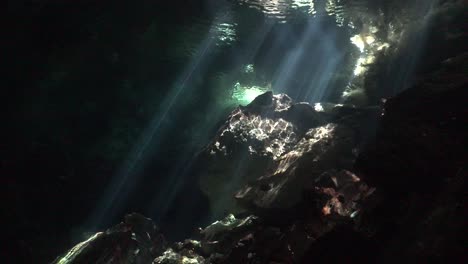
[225, 33]
[286, 10]
[224, 29]
[282, 10]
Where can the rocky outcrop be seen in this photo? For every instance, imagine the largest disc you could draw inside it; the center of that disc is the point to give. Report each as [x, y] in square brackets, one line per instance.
[418, 163]
[268, 153]
[401, 201]
[269, 157]
[136, 240]
[421, 132]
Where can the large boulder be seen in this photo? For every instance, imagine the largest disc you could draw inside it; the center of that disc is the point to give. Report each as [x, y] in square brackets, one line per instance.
[268, 152]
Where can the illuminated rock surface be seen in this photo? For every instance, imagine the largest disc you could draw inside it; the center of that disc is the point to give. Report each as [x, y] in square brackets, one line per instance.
[268, 152]
[135, 240]
[171, 257]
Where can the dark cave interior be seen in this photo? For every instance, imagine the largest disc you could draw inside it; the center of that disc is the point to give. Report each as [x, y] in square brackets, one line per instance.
[292, 131]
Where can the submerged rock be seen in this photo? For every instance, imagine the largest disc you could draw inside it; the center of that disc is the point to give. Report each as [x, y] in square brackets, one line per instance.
[228, 224]
[136, 240]
[418, 163]
[304, 204]
[269, 157]
[340, 193]
[268, 152]
[172, 257]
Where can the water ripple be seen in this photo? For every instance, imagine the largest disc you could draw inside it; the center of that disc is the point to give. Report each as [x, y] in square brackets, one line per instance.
[287, 10]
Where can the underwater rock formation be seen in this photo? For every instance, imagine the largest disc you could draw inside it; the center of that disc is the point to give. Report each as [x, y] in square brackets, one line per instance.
[299, 155]
[418, 163]
[414, 213]
[135, 240]
[269, 152]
